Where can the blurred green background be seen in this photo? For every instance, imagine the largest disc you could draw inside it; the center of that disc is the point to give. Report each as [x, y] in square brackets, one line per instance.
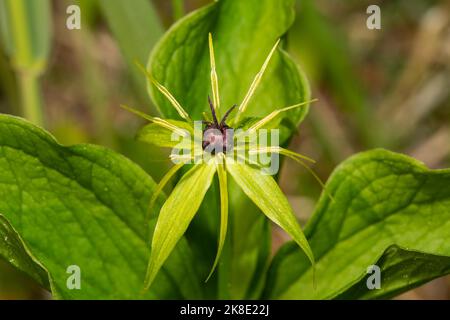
[376, 88]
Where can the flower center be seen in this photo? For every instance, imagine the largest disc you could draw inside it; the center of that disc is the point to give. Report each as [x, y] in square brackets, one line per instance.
[217, 140]
[217, 136]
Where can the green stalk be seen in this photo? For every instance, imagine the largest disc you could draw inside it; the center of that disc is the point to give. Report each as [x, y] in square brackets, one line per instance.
[178, 9]
[31, 97]
[9, 86]
[25, 31]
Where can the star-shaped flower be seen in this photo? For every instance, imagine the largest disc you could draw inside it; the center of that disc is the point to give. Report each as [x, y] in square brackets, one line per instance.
[216, 148]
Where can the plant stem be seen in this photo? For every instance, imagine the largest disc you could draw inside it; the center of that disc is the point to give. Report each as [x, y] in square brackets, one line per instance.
[31, 97]
[178, 9]
[9, 86]
[96, 91]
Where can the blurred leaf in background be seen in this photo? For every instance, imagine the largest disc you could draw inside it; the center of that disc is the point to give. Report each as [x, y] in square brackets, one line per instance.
[136, 27]
[26, 38]
[321, 47]
[382, 88]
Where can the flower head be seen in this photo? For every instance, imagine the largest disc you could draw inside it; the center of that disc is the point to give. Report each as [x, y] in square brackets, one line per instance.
[217, 135]
[220, 149]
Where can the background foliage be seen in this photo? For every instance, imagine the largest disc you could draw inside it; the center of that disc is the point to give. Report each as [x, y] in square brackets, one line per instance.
[376, 89]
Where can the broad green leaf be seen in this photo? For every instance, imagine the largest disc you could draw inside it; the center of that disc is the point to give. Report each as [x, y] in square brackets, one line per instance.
[83, 205]
[136, 28]
[381, 199]
[13, 250]
[243, 33]
[267, 195]
[180, 61]
[401, 270]
[161, 137]
[176, 214]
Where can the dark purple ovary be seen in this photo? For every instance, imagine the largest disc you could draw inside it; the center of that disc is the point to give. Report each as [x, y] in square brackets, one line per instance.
[217, 137]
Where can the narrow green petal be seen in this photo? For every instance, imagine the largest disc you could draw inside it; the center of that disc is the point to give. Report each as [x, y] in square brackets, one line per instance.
[264, 121]
[223, 186]
[279, 150]
[311, 171]
[137, 112]
[158, 121]
[297, 157]
[161, 186]
[159, 136]
[255, 83]
[267, 195]
[176, 214]
[166, 93]
[206, 116]
[214, 78]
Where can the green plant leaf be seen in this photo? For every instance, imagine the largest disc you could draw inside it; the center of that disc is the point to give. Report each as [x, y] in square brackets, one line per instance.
[159, 188]
[176, 214]
[13, 250]
[83, 205]
[381, 199]
[235, 45]
[243, 32]
[401, 270]
[267, 195]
